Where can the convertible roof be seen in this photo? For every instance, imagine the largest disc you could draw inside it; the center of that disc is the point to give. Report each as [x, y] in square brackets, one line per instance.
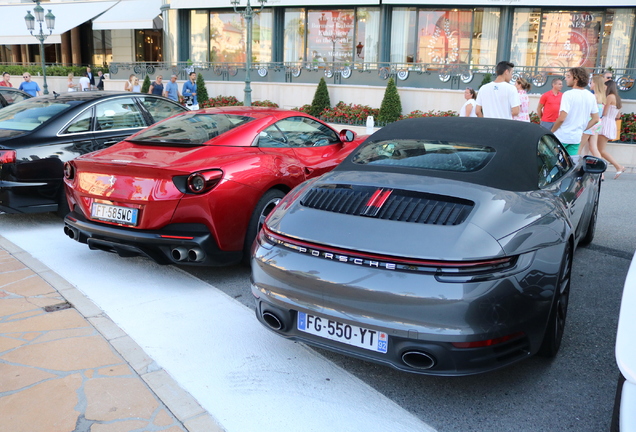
[513, 167]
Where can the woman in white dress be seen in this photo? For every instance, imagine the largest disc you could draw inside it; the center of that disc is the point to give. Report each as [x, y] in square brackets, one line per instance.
[468, 109]
[71, 86]
[608, 125]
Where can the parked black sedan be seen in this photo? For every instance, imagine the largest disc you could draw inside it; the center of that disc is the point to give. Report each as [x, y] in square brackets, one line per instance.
[10, 95]
[39, 134]
[440, 246]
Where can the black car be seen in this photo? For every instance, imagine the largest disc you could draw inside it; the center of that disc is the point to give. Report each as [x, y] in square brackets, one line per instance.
[10, 95]
[39, 134]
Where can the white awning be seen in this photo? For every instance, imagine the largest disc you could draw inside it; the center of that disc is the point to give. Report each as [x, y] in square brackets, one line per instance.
[129, 15]
[13, 30]
[215, 4]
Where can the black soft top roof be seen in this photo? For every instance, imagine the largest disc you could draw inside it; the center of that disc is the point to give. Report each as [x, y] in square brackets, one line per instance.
[513, 167]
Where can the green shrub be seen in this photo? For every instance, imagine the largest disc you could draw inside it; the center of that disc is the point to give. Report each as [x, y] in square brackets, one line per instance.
[486, 80]
[391, 108]
[321, 99]
[146, 84]
[202, 92]
[53, 70]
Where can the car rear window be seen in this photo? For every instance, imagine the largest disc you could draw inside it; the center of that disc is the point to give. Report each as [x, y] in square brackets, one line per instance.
[29, 114]
[190, 129]
[433, 155]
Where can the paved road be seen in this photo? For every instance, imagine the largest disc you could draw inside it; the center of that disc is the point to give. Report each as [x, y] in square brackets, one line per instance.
[574, 392]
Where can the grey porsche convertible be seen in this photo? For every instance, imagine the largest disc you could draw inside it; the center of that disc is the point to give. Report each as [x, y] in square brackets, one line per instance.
[440, 246]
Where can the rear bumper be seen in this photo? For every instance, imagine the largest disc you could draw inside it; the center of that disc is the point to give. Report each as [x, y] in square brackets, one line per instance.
[18, 197]
[185, 244]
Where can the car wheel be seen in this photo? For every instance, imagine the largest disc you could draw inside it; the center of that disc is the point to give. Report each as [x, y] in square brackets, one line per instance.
[591, 228]
[264, 207]
[62, 204]
[556, 322]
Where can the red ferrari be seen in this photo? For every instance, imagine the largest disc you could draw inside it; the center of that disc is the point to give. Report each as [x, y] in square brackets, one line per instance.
[196, 188]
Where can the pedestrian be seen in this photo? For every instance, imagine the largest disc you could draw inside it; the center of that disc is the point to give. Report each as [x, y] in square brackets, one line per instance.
[589, 140]
[523, 86]
[499, 99]
[84, 82]
[468, 109]
[172, 89]
[29, 86]
[70, 85]
[91, 77]
[6, 80]
[156, 88]
[550, 104]
[128, 86]
[578, 111]
[190, 92]
[100, 80]
[608, 125]
[607, 75]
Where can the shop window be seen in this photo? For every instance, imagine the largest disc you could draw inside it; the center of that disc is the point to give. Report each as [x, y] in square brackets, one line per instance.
[367, 38]
[102, 47]
[403, 35]
[330, 36]
[569, 39]
[199, 35]
[148, 45]
[228, 33]
[619, 27]
[294, 35]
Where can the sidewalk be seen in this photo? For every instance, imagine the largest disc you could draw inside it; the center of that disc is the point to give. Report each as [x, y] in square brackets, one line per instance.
[65, 366]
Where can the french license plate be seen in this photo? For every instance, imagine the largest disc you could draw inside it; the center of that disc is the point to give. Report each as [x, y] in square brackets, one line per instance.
[349, 334]
[123, 215]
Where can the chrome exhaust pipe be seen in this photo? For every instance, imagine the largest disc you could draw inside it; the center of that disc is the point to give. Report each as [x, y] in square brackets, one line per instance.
[272, 320]
[71, 233]
[196, 255]
[179, 253]
[418, 360]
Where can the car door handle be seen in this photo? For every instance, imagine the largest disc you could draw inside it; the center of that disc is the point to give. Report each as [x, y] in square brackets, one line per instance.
[109, 143]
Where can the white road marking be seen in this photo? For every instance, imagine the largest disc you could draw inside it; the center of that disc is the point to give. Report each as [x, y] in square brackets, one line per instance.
[245, 376]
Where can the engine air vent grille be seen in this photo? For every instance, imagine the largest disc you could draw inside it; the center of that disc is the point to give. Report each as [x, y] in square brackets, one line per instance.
[389, 204]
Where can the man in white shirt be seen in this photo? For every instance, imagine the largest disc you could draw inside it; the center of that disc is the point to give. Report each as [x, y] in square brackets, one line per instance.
[578, 111]
[499, 98]
[85, 83]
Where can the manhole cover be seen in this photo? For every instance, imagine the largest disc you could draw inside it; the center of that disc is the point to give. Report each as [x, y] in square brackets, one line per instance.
[57, 307]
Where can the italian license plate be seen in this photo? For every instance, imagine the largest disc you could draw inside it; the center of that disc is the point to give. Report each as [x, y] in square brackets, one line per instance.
[348, 334]
[122, 215]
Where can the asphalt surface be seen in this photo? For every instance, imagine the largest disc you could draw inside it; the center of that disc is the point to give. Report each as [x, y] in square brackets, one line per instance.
[573, 392]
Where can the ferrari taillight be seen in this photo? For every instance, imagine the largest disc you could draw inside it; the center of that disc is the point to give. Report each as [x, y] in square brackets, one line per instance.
[203, 181]
[7, 156]
[69, 171]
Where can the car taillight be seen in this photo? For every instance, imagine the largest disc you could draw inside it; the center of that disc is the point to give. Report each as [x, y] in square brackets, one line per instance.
[69, 171]
[203, 181]
[7, 156]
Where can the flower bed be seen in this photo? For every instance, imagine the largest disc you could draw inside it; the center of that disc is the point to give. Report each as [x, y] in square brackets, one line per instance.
[221, 101]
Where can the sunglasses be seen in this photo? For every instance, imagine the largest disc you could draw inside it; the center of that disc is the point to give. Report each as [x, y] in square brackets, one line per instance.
[26, 76]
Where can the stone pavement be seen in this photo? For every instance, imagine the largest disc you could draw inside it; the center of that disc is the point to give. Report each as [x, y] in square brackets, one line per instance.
[65, 366]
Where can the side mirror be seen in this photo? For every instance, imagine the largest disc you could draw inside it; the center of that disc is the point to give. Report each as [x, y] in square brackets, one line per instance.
[594, 165]
[347, 135]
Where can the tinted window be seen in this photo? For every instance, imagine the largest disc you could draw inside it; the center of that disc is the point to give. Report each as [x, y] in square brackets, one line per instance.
[12, 96]
[120, 113]
[445, 156]
[30, 114]
[552, 160]
[160, 109]
[81, 123]
[191, 129]
[298, 132]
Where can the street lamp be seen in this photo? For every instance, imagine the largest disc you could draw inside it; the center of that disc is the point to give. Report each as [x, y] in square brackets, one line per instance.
[248, 14]
[50, 25]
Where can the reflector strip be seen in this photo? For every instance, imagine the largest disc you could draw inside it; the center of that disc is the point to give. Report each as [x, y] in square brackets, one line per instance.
[176, 237]
[488, 342]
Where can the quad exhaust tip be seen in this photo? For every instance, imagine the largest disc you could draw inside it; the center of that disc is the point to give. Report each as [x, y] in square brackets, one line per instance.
[71, 233]
[418, 360]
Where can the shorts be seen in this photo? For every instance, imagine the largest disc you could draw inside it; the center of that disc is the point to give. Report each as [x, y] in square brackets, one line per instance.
[572, 149]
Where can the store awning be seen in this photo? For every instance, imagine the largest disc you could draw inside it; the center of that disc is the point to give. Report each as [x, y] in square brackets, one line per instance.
[13, 30]
[129, 15]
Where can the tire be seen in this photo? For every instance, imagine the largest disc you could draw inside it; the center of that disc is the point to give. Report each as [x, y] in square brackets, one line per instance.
[591, 227]
[556, 322]
[62, 203]
[264, 207]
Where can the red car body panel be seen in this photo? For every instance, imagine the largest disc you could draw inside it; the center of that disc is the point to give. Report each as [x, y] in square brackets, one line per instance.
[142, 176]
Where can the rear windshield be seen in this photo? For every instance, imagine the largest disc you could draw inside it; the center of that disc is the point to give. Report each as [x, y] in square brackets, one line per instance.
[434, 155]
[29, 114]
[190, 129]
